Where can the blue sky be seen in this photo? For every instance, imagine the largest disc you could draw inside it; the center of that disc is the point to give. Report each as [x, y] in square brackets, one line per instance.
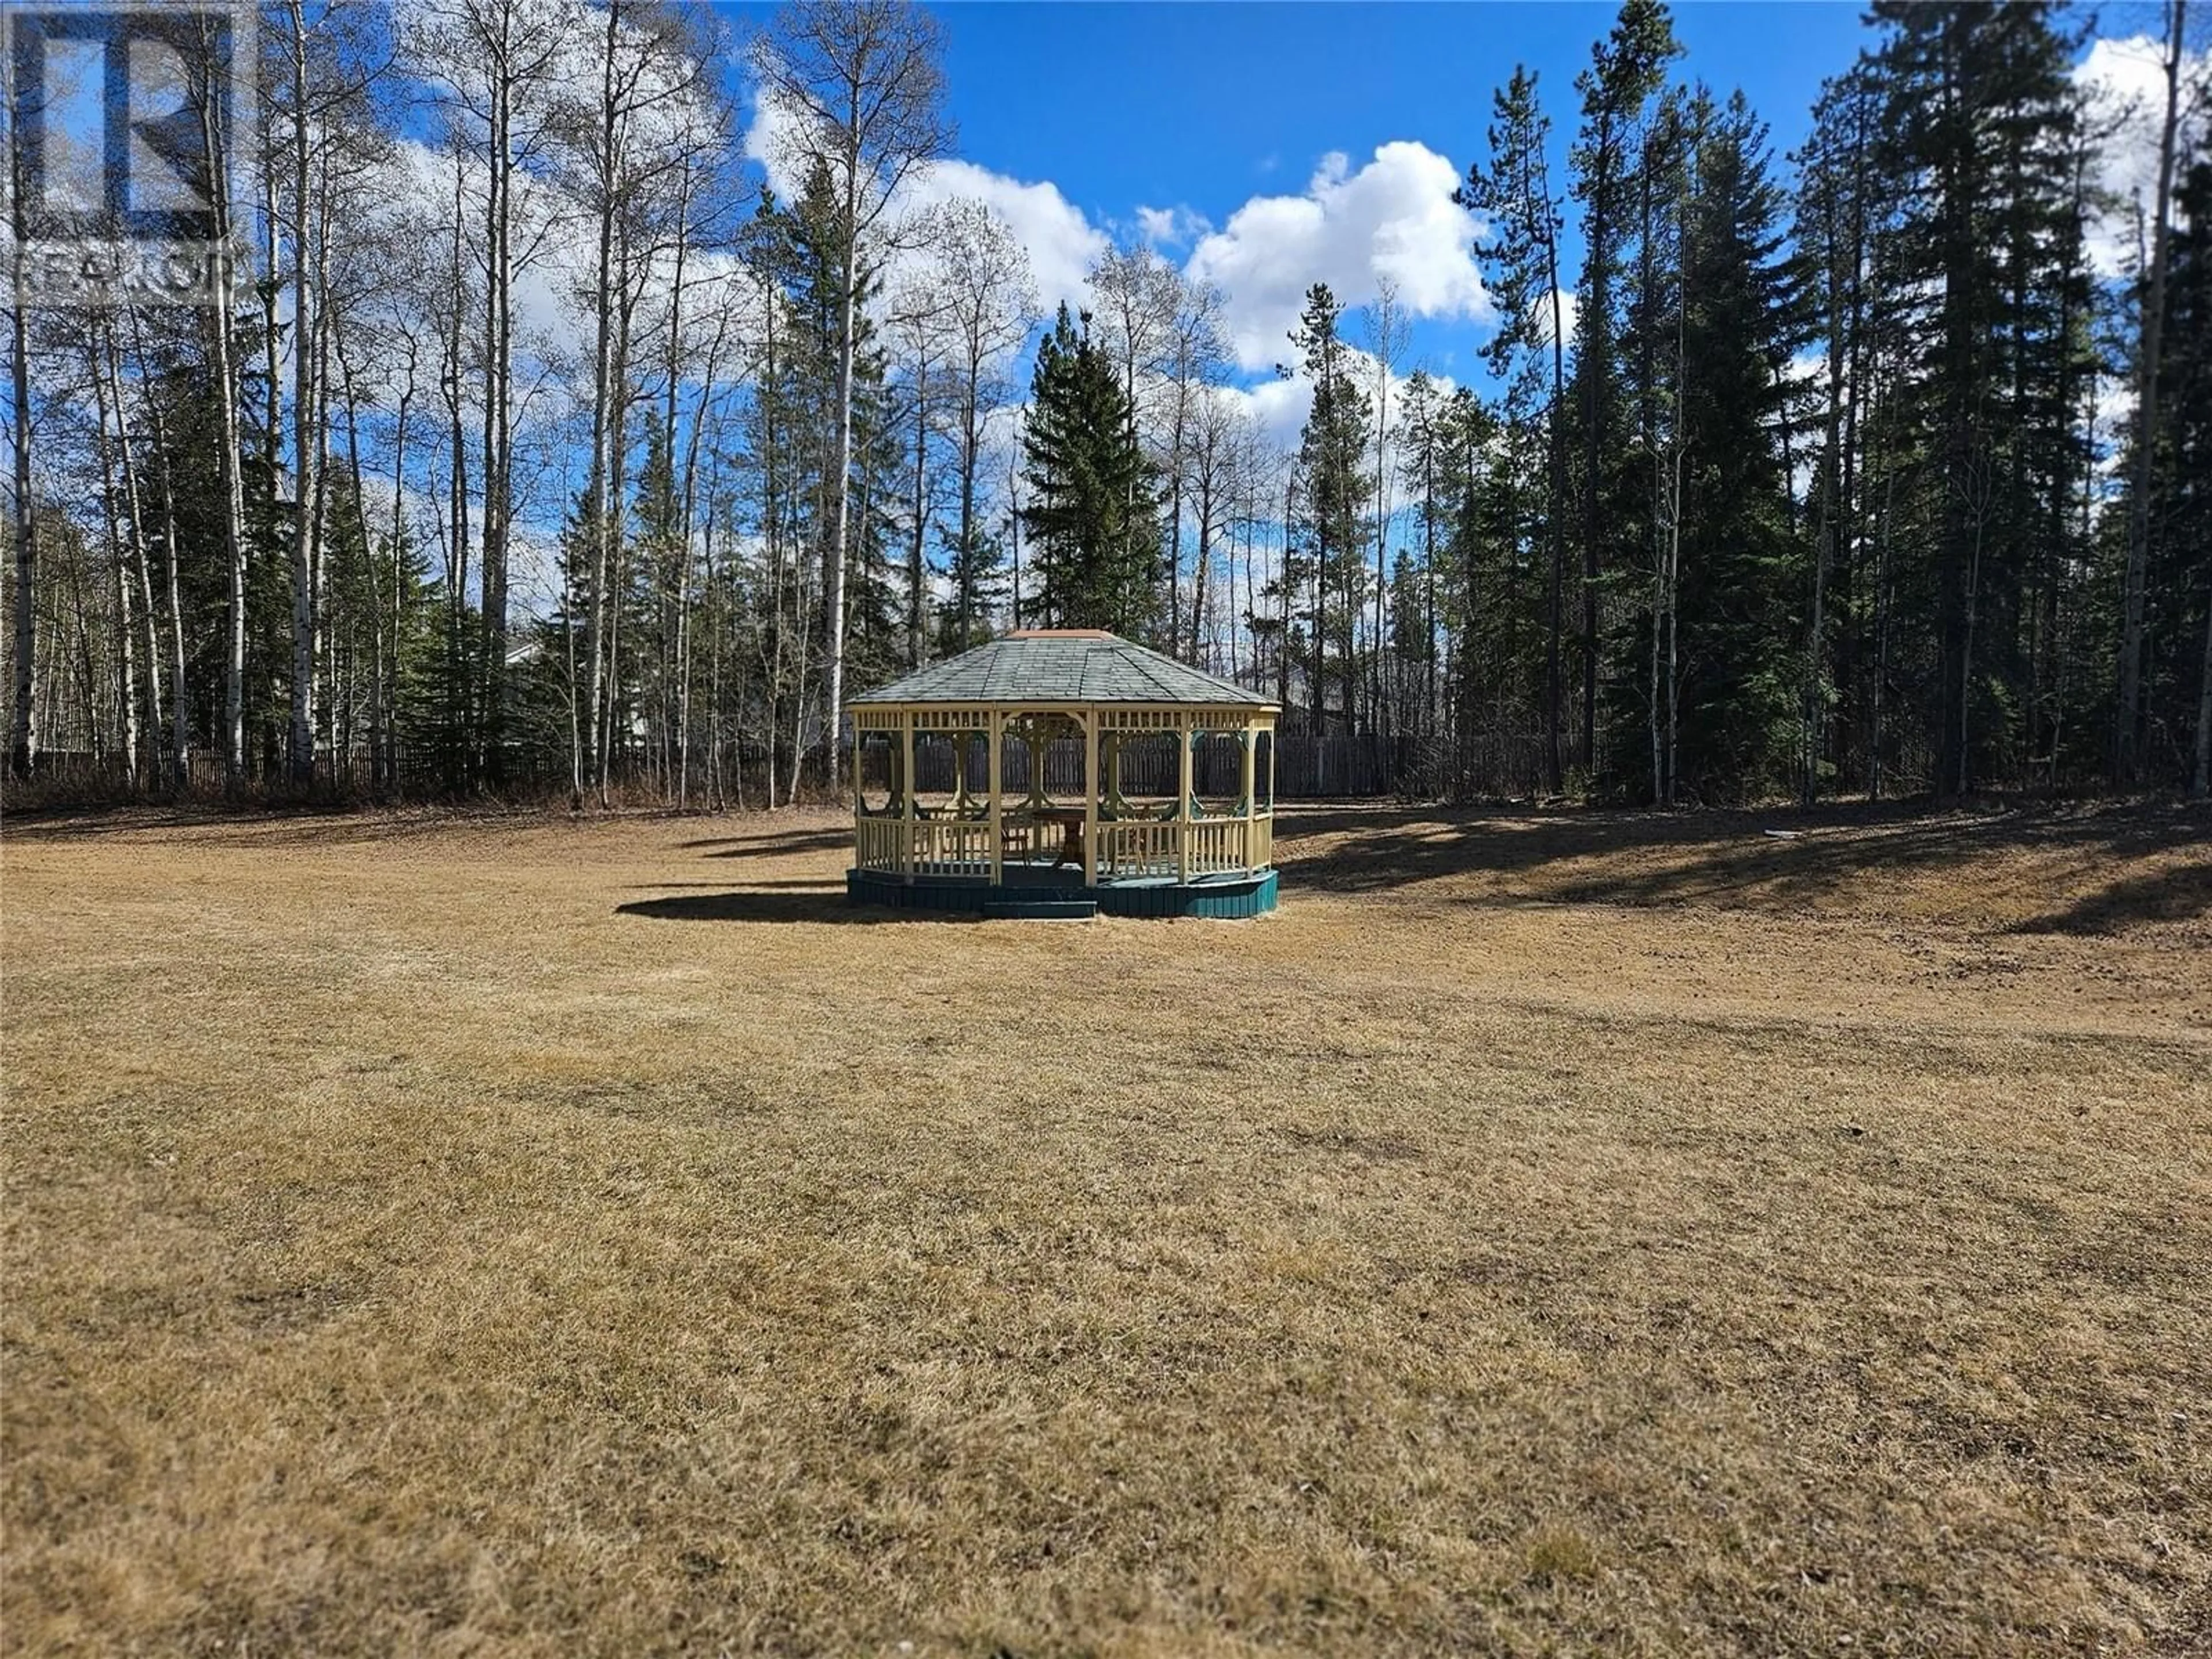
[1211, 103]
[1204, 106]
[1263, 146]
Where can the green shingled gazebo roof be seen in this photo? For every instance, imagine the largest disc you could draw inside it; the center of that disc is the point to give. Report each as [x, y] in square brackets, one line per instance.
[1064, 665]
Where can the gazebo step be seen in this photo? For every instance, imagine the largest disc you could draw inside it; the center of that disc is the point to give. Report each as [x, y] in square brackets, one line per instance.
[1039, 909]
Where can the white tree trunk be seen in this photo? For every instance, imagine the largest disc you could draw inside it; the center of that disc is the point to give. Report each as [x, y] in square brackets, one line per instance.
[23, 736]
[214, 157]
[833, 692]
[2125, 759]
[306, 438]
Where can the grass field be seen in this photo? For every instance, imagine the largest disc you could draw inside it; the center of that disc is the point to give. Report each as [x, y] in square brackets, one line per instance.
[1573, 1234]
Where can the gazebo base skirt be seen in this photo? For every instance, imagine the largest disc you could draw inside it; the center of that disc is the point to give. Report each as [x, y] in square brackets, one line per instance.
[1219, 897]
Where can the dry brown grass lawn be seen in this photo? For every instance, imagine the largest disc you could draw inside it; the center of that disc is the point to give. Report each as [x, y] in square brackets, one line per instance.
[1585, 1234]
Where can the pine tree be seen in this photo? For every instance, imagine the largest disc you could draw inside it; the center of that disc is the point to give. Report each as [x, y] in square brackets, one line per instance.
[1520, 263]
[1741, 564]
[1332, 453]
[1092, 515]
[1979, 123]
[1626, 70]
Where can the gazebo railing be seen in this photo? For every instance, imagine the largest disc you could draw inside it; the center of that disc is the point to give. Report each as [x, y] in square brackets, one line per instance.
[928, 846]
[1145, 850]
[877, 843]
[1215, 847]
[1134, 849]
[958, 847]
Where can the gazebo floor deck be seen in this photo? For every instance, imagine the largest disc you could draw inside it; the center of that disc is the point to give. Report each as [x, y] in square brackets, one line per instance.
[1012, 874]
[1223, 894]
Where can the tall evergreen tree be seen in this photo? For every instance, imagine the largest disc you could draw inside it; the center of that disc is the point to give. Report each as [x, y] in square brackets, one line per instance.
[1092, 515]
[1332, 457]
[1839, 206]
[1979, 119]
[1741, 562]
[2178, 585]
[1626, 70]
[1529, 351]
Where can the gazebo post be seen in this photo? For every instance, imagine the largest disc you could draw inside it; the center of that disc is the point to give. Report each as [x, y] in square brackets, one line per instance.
[1182, 799]
[1089, 718]
[1251, 752]
[998, 843]
[906, 793]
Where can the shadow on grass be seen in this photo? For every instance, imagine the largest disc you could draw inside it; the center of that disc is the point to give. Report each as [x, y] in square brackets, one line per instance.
[2169, 895]
[1720, 857]
[822, 904]
[775, 846]
[802, 883]
[256, 824]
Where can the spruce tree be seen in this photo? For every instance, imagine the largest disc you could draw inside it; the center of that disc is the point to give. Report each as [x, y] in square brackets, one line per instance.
[1741, 562]
[1521, 263]
[1332, 452]
[1625, 68]
[1979, 121]
[1092, 515]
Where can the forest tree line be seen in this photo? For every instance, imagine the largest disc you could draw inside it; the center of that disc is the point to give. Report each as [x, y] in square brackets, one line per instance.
[544, 448]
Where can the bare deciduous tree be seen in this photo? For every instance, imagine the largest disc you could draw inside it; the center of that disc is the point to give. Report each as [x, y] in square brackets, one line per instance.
[2128, 734]
[991, 305]
[859, 87]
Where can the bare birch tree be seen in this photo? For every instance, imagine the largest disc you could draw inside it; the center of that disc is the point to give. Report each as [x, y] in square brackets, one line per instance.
[859, 87]
[496, 65]
[21, 735]
[991, 304]
[2128, 735]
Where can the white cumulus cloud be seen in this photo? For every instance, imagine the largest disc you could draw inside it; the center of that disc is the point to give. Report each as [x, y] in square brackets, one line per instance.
[1278, 408]
[1062, 242]
[1393, 219]
[1175, 227]
[1060, 239]
[2124, 83]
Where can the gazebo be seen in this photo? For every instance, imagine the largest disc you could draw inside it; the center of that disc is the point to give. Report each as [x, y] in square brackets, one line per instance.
[1061, 771]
